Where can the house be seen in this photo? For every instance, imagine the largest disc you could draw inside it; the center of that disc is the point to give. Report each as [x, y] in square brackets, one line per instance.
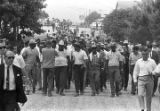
[126, 4]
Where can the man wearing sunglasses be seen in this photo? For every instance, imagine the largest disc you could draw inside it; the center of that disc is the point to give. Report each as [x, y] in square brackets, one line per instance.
[11, 84]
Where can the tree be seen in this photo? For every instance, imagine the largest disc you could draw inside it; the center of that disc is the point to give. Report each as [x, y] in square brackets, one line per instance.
[20, 14]
[136, 24]
[115, 25]
[92, 17]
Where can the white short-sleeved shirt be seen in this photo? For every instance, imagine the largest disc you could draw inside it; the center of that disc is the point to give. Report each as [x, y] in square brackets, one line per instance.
[114, 58]
[19, 61]
[61, 59]
[143, 68]
[79, 57]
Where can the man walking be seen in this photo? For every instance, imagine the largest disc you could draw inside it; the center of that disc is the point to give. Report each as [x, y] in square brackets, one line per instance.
[11, 85]
[143, 75]
[48, 61]
[134, 56]
[79, 60]
[31, 57]
[94, 67]
[113, 65]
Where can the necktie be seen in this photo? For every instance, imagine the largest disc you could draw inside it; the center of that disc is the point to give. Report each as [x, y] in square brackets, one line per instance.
[7, 79]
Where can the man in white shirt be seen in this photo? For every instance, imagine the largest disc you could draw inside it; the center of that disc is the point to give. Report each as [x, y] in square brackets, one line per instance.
[79, 61]
[143, 75]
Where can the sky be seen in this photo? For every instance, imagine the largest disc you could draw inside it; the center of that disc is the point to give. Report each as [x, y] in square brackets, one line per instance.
[72, 9]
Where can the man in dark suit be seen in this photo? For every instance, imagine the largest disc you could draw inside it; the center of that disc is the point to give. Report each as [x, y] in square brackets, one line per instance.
[11, 85]
[154, 55]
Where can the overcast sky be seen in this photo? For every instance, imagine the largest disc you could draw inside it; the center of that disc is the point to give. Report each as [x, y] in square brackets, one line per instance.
[72, 9]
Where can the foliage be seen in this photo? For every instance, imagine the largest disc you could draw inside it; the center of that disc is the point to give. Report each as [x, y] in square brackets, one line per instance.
[143, 22]
[114, 24]
[20, 16]
[92, 17]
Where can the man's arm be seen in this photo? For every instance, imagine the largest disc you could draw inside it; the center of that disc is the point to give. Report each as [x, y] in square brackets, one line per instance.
[136, 72]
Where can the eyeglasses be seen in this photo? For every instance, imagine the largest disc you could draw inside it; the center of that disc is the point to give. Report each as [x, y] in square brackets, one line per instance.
[11, 57]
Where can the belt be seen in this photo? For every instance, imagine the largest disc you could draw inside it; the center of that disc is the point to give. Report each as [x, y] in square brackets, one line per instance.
[146, 76]
[9, 91]
[77, 64]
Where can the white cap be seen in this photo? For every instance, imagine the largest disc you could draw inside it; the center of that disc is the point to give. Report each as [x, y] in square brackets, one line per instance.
[125, 42]
[61, 42]
[32, 41]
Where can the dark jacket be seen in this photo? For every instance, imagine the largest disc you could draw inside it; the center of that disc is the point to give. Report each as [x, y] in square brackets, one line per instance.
[21, 97]
[155, 57]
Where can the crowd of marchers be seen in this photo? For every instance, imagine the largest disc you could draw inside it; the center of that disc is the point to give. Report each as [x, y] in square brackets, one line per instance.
[53, 65]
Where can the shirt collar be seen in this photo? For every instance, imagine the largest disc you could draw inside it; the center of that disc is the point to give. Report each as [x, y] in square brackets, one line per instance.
[7, 65]
[146, 60]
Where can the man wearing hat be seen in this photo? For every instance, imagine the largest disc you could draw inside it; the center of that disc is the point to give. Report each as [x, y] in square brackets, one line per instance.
[31, 57]
[79, 64]
[114, 66]
[61, 63]
[94, 67]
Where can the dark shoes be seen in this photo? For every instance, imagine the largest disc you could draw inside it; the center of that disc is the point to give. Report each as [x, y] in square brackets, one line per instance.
[81, 93]
[93, 94]
[27, 92]
[40, 89]
[34, 90]
[57, 91]
[133, 93]
[49, 94]
[112, 95]
[76, 95]
[62, 94]
[44, 94]
[125, 89]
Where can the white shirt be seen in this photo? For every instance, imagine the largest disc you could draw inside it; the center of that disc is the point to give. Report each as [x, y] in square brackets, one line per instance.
[143, 68]
[12, 85]
[157, 70]
[1, 59]
[61, 59]
[40, 55]
[19, 61]
[114, 58]
[23, 50]
[79, 57]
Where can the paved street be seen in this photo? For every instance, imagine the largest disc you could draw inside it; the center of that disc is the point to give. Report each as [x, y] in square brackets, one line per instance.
[103, 102]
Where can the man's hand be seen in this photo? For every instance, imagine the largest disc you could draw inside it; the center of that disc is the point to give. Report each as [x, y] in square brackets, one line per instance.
[21, 104]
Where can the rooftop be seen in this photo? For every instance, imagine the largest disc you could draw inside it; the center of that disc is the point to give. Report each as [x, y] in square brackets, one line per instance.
[126, 4]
